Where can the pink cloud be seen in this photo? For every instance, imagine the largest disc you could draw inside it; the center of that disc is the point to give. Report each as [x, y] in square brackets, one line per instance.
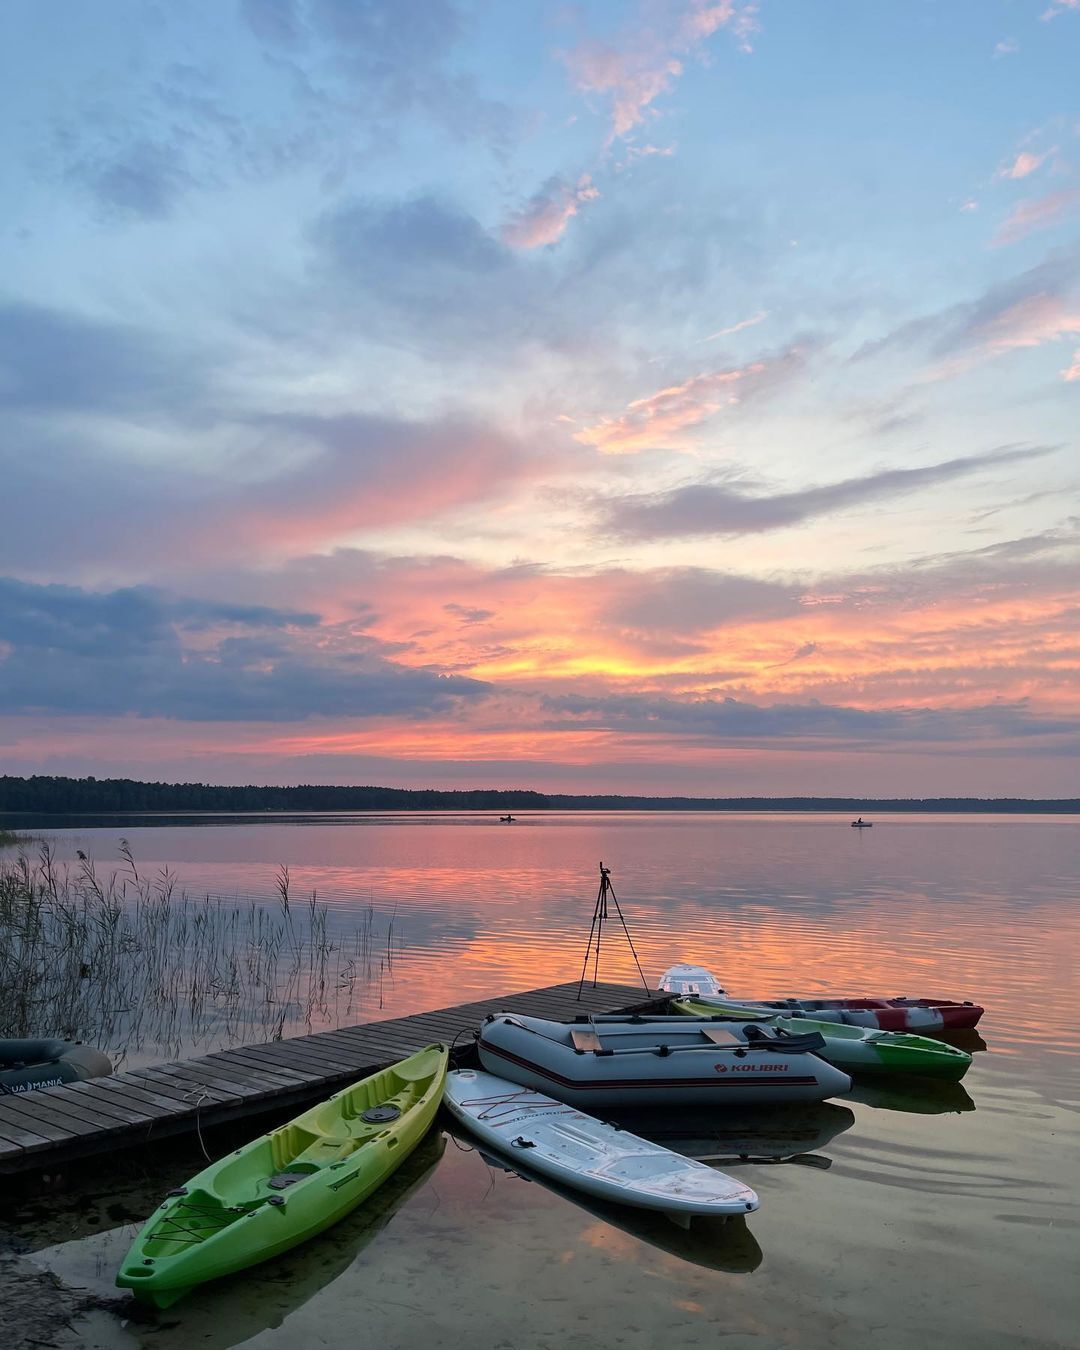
[660, 417]
[1035, 213]
[647, 151]
[1059, 7]
[1029, 322]
[1024, 164]
[650, 421]
[738, 327]
[1073, 372]
[544, 218]
[645, 62]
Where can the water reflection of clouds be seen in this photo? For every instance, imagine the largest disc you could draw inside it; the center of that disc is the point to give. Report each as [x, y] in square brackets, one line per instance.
[957, 906]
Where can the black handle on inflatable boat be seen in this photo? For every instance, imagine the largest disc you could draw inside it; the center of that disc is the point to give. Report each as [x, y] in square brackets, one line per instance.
[792, 1045]
[783, 1042]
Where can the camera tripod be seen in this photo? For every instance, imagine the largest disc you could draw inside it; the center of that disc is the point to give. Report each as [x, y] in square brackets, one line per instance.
[600, 914]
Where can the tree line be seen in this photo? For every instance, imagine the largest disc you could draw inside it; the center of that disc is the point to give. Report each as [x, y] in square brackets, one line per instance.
[47, 794]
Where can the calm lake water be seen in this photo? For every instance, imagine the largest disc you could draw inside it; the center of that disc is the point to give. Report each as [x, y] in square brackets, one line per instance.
[915, 1216]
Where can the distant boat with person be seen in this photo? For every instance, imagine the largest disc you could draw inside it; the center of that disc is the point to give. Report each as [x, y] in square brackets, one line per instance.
[861, 824]
[507, 820]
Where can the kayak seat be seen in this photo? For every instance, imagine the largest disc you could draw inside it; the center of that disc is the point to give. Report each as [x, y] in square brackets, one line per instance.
[584, 1039]
[330, 1149]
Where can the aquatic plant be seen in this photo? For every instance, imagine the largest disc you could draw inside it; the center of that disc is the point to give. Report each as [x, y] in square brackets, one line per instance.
[135, 965]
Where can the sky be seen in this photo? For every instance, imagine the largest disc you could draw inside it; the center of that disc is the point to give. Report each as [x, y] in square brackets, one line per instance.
[656, 396]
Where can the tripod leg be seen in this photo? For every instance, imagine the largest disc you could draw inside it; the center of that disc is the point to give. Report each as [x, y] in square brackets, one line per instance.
[588, 949]
[629, 939]
[596, 953]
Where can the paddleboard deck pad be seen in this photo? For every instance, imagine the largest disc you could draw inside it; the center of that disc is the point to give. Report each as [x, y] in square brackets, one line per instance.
[543, 1135]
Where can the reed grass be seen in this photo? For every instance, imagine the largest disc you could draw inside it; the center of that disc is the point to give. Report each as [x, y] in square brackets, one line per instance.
[133, 964]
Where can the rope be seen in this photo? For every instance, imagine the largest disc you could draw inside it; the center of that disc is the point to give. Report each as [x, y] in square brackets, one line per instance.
[203, 1094]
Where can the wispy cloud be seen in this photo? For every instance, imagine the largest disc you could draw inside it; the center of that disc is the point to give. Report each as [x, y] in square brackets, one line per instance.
[632, 71]
[799, 654]
[1024, 164]
[1028, 322]
[658, 419]
[1006, 47]
[544, 218]
[1036, 213]
[1059, 7]
[710, 508]
[1073, 372]
[1037, 306]
[737, 327]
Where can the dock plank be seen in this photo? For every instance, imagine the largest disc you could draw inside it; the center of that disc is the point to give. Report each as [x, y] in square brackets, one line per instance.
[143, 1105]
[67, 1123]
[163, 1085]
[69, 1108]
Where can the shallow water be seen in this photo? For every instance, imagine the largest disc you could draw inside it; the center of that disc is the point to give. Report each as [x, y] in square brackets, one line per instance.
[901, 1217]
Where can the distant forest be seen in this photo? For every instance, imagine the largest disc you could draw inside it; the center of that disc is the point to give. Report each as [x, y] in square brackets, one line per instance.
[45, 794]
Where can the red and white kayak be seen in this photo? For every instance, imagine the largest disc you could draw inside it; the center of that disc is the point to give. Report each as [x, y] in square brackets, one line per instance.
[885, 1014]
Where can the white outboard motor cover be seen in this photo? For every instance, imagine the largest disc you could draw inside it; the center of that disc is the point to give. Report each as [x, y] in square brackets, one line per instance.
[684, 980]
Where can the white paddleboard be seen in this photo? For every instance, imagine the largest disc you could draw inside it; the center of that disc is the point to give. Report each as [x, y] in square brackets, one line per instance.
[689, 982]
[578, 1151]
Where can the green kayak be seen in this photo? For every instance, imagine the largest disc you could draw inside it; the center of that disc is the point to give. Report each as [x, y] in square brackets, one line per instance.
[287, 1185]
[859, 1050]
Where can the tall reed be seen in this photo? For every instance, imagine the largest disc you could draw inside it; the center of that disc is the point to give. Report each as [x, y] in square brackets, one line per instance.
[136, 966]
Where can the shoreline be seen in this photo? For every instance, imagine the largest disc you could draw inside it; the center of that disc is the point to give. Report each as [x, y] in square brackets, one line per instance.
[38, 1309]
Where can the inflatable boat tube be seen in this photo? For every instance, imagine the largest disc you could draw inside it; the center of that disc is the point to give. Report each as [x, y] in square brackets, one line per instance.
[27, 1065]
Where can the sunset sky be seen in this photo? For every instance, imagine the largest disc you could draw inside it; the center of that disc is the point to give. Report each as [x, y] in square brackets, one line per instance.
[666, 396]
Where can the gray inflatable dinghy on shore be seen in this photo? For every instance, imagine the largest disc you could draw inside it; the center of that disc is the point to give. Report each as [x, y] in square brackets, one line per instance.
[27, 1065]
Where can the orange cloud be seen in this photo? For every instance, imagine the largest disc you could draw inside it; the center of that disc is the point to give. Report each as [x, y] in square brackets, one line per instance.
[927, 640]
[658, 419]
[652, 421]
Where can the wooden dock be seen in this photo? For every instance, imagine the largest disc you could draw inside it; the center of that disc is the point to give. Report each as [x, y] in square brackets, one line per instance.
[53, 1126]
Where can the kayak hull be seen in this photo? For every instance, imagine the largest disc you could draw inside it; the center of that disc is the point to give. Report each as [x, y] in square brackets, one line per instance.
[881, 1014]
[635, 1064]
[287, 1186]
[878, 1014]
[546, 1136]
[861, 1050]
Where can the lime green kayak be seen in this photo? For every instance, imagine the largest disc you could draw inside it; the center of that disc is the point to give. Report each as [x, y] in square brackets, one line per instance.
[287, 1185]
[857, 1050]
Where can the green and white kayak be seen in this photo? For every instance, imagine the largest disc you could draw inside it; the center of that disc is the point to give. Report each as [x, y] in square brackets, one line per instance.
[288, 1185]
[857, 1050]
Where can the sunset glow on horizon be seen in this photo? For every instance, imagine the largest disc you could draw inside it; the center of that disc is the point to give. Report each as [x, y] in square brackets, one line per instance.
[669, 396]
